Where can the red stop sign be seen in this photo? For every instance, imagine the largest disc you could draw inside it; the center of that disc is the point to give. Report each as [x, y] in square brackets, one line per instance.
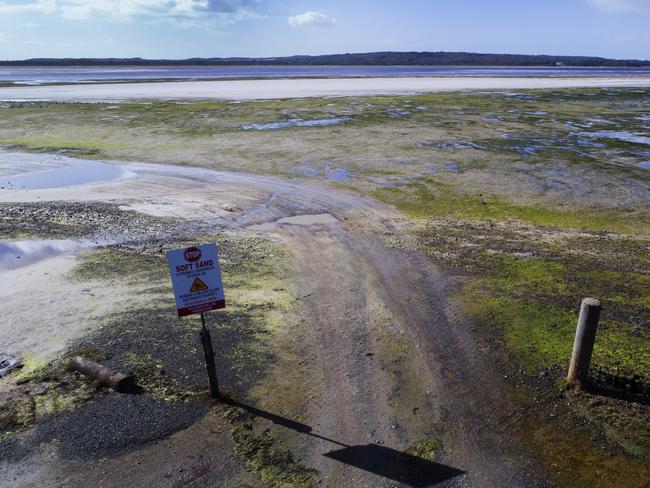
[192, 254]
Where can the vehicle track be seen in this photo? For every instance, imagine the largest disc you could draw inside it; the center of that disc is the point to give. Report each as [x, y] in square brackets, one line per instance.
[361, 281]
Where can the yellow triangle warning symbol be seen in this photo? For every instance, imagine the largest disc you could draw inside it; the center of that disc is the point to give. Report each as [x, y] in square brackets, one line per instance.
[198, 285]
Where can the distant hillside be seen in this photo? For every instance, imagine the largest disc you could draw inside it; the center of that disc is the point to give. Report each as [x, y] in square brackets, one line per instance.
[362, 59]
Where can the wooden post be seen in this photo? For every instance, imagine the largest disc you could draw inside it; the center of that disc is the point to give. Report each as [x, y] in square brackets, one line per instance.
[206, 340]
[583, 345]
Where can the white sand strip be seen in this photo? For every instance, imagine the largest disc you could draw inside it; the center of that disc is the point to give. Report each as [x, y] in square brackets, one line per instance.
[296, 88]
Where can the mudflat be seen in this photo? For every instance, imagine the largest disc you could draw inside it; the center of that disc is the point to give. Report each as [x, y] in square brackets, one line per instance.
[402, 276]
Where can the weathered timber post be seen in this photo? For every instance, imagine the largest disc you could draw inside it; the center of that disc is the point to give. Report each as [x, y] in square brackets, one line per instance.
[583, 346]
[114, 379]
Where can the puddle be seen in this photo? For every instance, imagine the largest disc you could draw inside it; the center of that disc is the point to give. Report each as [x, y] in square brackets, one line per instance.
[16, 254]
[492, 118]
[644, 165]
[396, 112]
[589, 143]
[531, 146]
[391, 183]
[538, 112]
[304, 169]
[301, 220]
[316, 219]
[36, 171]
[643, 118]
[618, 135]
[382, 182]
[285, 124]
[600, 121]
[340, 175]
[515, 95]
[459, 145]
[453, 167]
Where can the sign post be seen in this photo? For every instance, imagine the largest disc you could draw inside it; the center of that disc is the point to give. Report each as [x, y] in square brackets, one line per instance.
[196, 278]
[208, 352]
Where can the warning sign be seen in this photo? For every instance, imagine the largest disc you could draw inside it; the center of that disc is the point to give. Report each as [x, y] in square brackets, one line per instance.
[198, 285]
[196, 278]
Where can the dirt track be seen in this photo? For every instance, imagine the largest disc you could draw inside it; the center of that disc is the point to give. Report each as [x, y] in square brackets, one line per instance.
[388, 357]
[361, 286]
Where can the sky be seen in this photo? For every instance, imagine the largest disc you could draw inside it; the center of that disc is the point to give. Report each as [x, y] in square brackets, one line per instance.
[176, 29]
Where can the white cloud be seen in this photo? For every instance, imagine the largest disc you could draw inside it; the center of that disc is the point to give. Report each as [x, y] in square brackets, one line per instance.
[621, 5]
[317, 19]
[224, 11]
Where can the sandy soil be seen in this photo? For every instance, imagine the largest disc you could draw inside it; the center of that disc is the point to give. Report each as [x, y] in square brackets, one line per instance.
[272, 89]
[42, 309]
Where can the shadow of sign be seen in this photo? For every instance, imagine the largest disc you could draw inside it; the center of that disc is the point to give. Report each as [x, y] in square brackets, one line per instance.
[380, 460]
[395, 465]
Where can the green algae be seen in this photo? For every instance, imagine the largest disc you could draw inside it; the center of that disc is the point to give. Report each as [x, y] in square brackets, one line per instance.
[428, 449]
[534, 304]
[276, 468]
[429, 198]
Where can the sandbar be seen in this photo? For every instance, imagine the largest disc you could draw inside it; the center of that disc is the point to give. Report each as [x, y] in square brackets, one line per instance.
[296, 88]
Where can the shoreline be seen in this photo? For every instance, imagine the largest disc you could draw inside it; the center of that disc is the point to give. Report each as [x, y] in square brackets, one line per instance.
[263, 89]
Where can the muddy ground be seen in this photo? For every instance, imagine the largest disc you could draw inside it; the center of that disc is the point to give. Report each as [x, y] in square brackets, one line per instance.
[416, 342]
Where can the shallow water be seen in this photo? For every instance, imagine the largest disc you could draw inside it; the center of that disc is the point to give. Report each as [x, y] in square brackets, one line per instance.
[404, 160]
[301, 220]
[15, 254]
[492, 118]
[391, 183]
[396, 112]
[459, 145]
[304, 169]
[453, 167]
[619, 135]
[37, 171]
[644, 165]
[532, 144]
[340, 175]
[285, 124]
[35, 75]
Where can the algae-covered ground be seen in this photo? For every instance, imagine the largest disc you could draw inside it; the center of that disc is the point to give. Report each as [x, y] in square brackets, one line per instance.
[531, 201]
[563, 173]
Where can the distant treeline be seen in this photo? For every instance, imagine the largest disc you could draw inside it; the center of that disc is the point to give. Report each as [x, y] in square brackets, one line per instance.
[362, 59]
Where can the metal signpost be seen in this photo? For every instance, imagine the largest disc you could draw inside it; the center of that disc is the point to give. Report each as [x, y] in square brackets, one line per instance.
[196, 278]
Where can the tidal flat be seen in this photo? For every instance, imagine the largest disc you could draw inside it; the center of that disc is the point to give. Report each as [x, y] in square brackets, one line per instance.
[528, 201]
